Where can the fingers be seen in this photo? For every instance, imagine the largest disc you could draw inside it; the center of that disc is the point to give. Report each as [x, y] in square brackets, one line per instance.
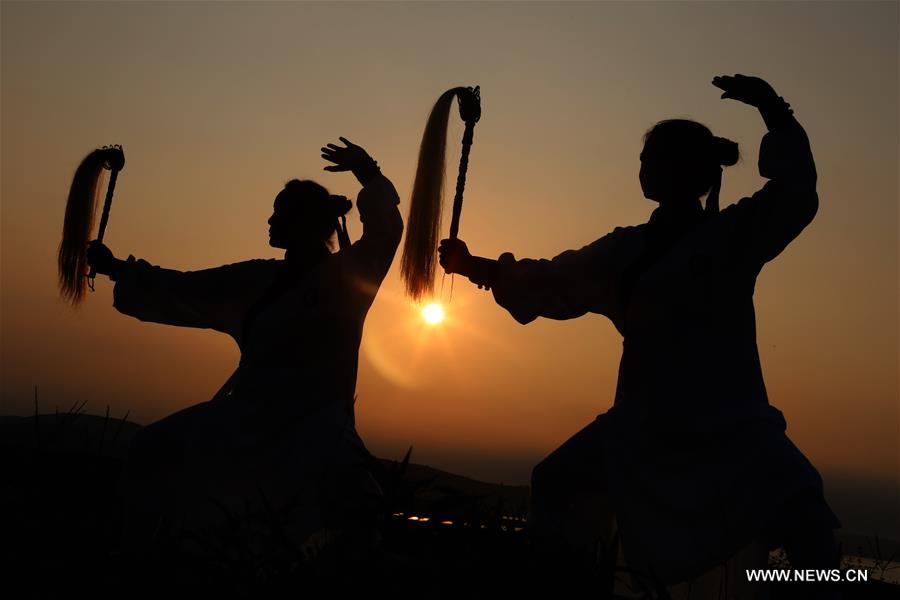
[447, 261]
[452, 247]
[345, 158]
[444, 252]
[723, 81]
[452, 255]
[736, 80]
[99, 256]
[729, 85]
[334, 153]
[347, 145]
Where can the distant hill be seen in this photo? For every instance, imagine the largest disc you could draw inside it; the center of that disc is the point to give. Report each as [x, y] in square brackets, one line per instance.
[432, 491]
[69, 432]
[86, 433]
[440, 492]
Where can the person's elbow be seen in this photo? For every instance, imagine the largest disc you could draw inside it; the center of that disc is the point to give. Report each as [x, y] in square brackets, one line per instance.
[519, 311]
[395, 228]
[805, 201]
[124, 300]
[521, 317]
[811, 205]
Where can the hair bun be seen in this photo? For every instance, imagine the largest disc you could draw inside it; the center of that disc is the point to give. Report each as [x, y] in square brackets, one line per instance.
[342, 204]
[725, 151]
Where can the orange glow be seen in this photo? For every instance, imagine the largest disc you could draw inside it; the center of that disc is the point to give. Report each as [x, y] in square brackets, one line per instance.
[216, 131]
[433, 313]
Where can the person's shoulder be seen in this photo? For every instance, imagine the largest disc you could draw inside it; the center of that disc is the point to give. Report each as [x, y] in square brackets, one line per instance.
[254, 267]
[610, 243]
[742, 209]
[749, 202]
[736, 207]
[623, 234]
[256, 263]
[265, 262]
[627, 230]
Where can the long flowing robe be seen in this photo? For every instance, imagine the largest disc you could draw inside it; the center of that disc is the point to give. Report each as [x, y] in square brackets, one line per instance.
[281, 430]
[696, 458]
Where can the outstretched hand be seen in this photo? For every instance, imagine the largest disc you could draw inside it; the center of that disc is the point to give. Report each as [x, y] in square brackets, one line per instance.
[100, 258]
[350, 158]
[749, 90]
[454, 256]
[346, 158]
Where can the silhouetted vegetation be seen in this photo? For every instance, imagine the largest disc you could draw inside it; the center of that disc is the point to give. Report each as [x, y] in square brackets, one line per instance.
[437, 535]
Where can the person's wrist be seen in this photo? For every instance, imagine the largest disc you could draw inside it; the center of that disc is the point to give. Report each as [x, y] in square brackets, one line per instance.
[482, 271]
[115, 268]
[366, 171]
[466, 265]
[775, 112]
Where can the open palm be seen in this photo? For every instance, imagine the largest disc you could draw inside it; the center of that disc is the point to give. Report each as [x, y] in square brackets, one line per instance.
[345, 159]
[750, 90]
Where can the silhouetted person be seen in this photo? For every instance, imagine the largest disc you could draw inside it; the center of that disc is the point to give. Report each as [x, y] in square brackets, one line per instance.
[283, 425]
[692, 455]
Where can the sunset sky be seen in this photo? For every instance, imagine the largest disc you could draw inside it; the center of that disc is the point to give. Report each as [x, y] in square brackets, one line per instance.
[218, 104]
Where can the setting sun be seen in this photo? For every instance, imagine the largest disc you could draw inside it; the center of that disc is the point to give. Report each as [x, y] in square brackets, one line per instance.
[433, 313]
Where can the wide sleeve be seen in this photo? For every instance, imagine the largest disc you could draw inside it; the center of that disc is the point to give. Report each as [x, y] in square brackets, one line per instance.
[770, 219]
[214, 298]
[567, 286]
[372, 254]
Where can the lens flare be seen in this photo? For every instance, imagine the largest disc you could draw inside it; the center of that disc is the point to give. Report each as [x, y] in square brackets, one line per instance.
[433, 313]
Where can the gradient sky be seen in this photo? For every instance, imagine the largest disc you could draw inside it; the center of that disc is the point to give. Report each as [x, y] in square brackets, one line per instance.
[218, 104]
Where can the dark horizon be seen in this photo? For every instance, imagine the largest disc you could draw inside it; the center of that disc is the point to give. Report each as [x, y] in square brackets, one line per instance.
[868, 506]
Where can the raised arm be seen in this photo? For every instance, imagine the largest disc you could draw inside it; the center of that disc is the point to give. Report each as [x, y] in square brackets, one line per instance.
[769, 220]
[382, 223]
[372, 254]
[567, 286]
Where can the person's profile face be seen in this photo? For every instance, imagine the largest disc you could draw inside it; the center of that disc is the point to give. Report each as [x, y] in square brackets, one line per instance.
[283, 224]
[664, 176]
[653, 175]
[290, 225]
